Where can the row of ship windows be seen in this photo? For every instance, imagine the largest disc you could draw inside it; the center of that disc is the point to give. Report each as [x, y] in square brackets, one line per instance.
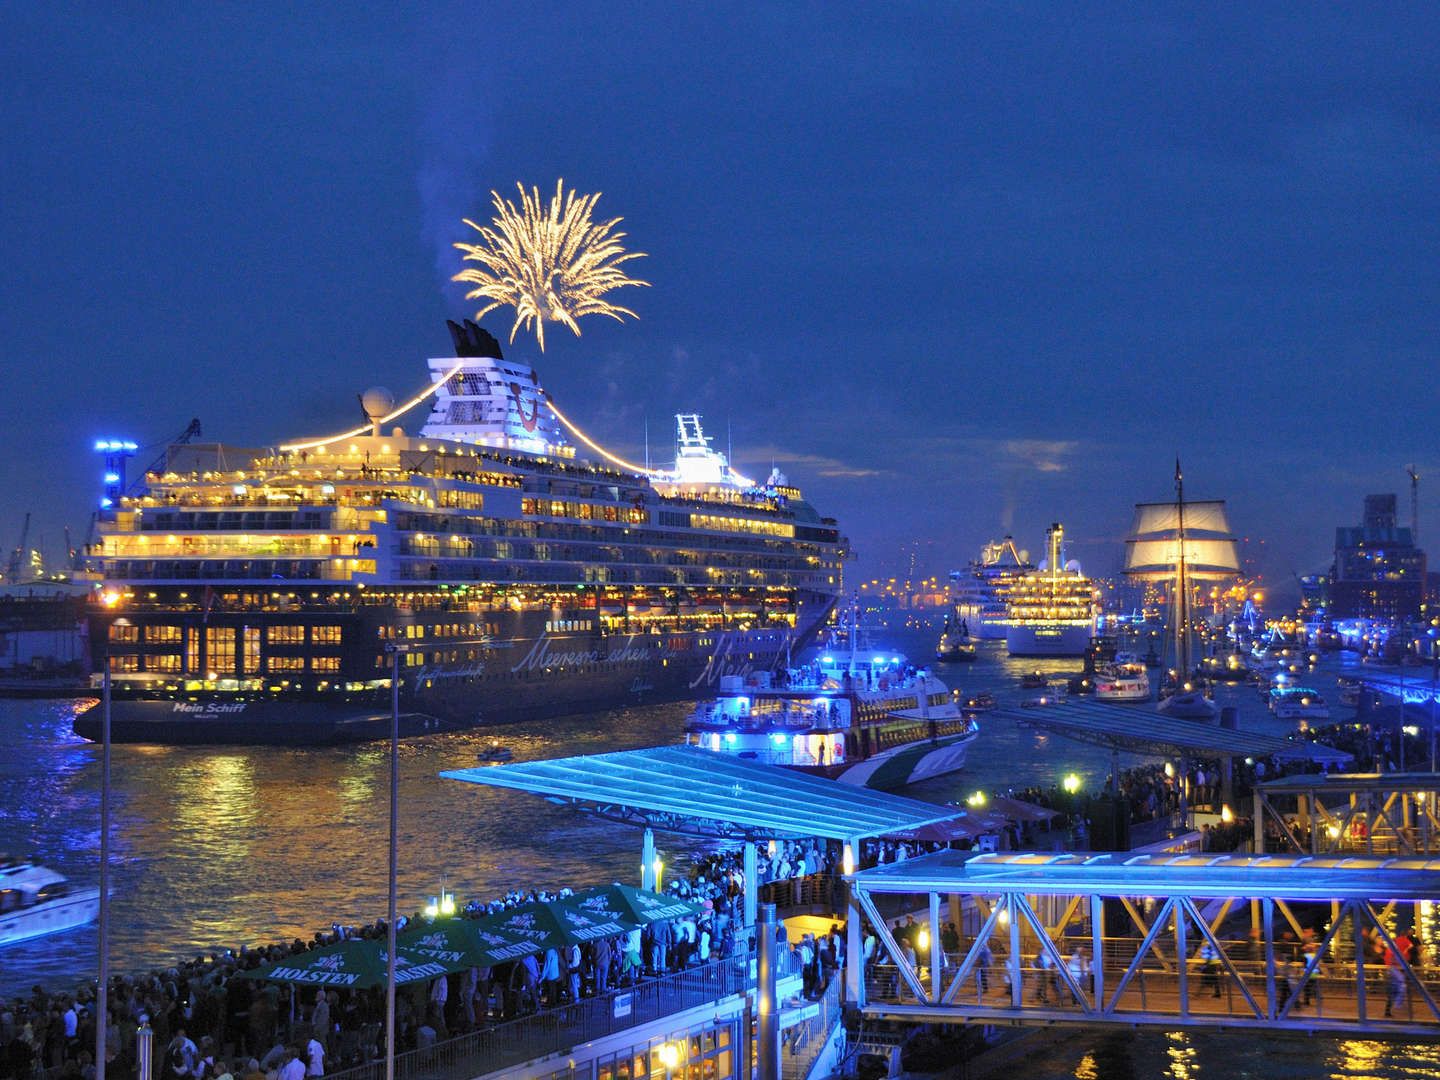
[157, 634]
[418, 521]
[582, 573]
[171, 663]
[457, 547]
[419, 631]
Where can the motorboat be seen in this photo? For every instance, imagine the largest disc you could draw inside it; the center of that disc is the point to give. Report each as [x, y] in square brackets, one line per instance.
[496, 753]
[1034, 680]
[978, 703]
[1298, 703]
[36, 900]
[1190, 705]
[1123, 682]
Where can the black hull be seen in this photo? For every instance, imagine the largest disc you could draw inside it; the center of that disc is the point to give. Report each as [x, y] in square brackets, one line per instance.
[436, 702]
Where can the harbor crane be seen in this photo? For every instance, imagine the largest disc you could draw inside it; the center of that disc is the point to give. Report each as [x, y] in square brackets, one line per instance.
[192, 431]
[17, 557]
[1414, 503]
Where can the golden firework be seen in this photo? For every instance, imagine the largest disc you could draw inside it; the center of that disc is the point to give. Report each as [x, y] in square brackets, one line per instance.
[550, 263]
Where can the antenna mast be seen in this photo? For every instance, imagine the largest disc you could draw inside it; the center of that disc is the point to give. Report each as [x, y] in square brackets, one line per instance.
[1182, 593]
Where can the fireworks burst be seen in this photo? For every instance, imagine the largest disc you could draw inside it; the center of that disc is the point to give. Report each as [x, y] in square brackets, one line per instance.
[550, 263]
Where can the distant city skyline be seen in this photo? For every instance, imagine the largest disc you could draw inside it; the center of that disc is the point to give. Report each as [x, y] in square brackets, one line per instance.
[959, 271]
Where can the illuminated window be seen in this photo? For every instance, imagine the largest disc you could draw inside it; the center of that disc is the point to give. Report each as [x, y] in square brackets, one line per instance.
[325, 635]
[325, 663]
[286, 663]
[286, 635]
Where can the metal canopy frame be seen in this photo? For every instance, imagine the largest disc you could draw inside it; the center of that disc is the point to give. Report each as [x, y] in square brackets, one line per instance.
[684, 789]
[1145, 731]
[1389, 813]
[1144, 966]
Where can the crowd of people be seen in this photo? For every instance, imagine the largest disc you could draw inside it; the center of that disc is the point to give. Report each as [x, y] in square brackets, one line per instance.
[208, 1022]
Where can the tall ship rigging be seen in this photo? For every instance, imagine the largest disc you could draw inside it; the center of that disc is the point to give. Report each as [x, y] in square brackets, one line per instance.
[1182, 543]
[1052, 610]
[266, 595]
[981, 591]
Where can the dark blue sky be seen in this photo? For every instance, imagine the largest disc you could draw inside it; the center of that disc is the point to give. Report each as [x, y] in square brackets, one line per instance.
[958, 268]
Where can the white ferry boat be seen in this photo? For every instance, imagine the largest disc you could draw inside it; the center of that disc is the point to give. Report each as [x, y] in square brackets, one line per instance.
[259, 596]
[35, 900]
[1052, 611]
[1123, 682]
[1298, 703]
[872, 721]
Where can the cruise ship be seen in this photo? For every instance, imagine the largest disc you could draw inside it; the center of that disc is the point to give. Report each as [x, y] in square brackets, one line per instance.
[981, 590]
[1051, 611]
[267, 596]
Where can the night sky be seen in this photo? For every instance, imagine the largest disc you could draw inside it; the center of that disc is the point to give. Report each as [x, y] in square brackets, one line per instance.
[958, 269]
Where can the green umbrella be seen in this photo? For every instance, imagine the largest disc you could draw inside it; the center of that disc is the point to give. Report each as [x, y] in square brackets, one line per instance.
[625, 903]
[552, 926]
[462, 943]
[358, 963]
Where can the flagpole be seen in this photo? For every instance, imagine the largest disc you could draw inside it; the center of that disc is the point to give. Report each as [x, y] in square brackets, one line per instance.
[394, 831]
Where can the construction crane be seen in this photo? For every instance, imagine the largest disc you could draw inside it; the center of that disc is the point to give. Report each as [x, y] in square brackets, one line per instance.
[192, 431]
[17, 557]
[1414, 504]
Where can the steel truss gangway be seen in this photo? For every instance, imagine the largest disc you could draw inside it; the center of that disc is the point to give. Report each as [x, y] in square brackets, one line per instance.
[1150, 940]
[1349, 813]
[1138, 730]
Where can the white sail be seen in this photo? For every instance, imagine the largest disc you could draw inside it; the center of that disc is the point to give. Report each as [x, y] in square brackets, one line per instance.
[1163, 519]
[1157, 559]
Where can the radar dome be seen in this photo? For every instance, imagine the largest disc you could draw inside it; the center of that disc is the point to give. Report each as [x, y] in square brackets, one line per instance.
[377, 402]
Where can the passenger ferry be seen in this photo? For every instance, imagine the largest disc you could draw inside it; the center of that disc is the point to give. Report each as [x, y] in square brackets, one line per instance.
[268, 595]
[1052, 611]
[35, 900]
[1128, 681]
[870, 721]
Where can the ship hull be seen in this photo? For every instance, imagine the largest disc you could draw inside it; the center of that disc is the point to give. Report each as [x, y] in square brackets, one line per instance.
[1042, 641]
[524, 679]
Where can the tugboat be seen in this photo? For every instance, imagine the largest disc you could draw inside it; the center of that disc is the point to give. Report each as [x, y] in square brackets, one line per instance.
[35, 900]
[955, 644]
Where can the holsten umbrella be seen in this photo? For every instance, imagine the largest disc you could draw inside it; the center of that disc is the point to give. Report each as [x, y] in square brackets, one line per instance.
[627, 903]
[358, 963]
[462, 943]
[551, 926]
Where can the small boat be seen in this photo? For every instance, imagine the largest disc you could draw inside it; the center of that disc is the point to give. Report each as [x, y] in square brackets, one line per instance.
[955, 644]
[1298, 703]
[496, 753]
[1033, 681]
[1043, 699]
[1190, 705]
[35, 900]
[978, 703]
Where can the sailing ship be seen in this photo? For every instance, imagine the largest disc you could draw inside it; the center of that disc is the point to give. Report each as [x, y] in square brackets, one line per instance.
[1182, 543]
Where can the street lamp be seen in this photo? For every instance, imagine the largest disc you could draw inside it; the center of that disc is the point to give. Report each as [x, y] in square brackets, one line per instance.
[394, 649]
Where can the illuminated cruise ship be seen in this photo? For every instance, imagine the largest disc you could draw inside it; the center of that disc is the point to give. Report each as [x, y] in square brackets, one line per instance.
[1052, 611]
[981, 590]
[264, 596]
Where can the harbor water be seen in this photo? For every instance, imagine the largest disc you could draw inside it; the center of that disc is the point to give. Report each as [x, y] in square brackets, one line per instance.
[214, 848]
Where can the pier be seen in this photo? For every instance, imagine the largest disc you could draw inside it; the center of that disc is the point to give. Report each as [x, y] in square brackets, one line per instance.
[1120, 939]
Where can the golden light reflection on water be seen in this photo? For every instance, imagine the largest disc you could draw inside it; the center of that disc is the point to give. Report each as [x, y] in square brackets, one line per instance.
[1181, 1054]
[1370, 1059]
[1086, 1070]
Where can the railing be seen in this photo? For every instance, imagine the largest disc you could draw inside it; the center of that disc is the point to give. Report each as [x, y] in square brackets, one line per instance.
[805, 1040]
[530, 1037]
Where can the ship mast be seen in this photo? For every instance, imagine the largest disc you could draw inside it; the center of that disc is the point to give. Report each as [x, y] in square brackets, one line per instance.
[1182, 598]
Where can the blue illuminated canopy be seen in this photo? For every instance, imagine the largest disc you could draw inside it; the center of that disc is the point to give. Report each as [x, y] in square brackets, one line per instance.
[685, 789]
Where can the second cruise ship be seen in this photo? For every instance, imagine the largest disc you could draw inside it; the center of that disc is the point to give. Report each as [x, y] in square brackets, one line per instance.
[1052, 611]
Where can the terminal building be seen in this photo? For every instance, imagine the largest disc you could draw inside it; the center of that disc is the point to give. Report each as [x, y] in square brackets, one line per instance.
[1379, 573]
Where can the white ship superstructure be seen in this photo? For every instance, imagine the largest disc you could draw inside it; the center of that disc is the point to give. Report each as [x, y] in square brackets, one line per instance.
[981, 591]
[259, 595]
[1052, 611]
